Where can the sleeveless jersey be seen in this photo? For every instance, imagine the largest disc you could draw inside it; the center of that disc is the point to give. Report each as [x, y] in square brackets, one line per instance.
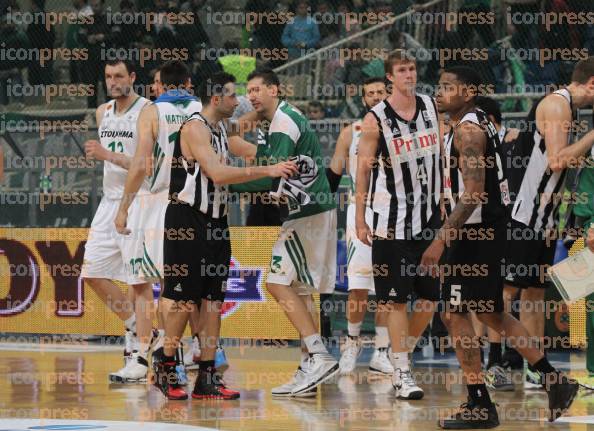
[190, 185]
[406, 180]
[536, 188]
[117, 133]
[353, 152]
[171, 117]
[495, 197]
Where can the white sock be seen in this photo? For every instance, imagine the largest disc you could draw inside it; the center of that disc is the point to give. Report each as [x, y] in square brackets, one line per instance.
[161, 340]
[382, 339]
[354, 329]
[315, 344]
[144, 348]
[400, 360]
[130, 323]
[304, 354]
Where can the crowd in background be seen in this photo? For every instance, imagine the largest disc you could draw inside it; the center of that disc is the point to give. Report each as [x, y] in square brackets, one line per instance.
[299, 36]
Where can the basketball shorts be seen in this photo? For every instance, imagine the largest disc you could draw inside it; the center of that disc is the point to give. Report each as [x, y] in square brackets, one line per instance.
[529, 254]
[109, 254]
[359, 266]
[396, 267]
[197, 255]
[153, 208]
[473, 270]
[304, 255]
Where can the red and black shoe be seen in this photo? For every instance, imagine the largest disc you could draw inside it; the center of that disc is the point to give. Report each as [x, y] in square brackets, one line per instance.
[167, 382]
[209, 386]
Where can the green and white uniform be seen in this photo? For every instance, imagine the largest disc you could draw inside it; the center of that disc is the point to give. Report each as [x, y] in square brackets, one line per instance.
[304, 255]
[171, 117]
[359, 266]
[108, 254]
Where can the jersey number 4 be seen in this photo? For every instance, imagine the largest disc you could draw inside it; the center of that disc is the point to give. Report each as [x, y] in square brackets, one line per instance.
[422, 175]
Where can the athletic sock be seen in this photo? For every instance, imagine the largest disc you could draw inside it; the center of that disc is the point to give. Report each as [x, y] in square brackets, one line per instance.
[400, 361]
[160, 341]
[479, 395]
[495, 353]
[382, 339]
[144, 350]
[304, 355]
[206, 365]
[543, 366]
[130, 323]
[315, 344]
[354, 329]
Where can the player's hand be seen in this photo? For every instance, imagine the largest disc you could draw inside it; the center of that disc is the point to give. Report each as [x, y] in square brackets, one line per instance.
[590, 239]
[442, 210]
[94, 150]
[120, 222]
[284, 169]
[430, 259]
[363, 232]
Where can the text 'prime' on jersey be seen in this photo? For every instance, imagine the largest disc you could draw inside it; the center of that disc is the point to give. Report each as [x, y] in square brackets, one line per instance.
[406, 180]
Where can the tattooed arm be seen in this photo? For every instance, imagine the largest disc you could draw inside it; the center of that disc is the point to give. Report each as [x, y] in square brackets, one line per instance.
[470, 142]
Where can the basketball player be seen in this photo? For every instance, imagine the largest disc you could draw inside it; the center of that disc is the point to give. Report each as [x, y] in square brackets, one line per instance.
[359, 268]
[198, 203]
[497, 377]
[192, 355]
[475, 232]
[108, 255]
[400, 150]
[544, 153]
[304, 255]
[158, 124]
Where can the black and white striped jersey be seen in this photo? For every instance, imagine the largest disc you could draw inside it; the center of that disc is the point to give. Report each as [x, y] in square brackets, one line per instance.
[190, 185]
[537, 189]
[406, 180]
[495, 197]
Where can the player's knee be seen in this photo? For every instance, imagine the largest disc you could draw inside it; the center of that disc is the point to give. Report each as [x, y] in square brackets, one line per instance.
[533, 294]
[493, 320]
[274, 289]
[445, 319]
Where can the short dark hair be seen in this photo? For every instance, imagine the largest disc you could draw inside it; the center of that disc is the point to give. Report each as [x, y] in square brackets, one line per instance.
[466, 75]
[213, 86]
[583, 70]
[130, 67]
[267, 75]
[490, 106]
[315, 104]
[374, 79]
[174, 73]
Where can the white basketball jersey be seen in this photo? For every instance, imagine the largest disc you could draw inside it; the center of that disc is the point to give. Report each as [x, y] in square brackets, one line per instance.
[117, 133]
[171, 117]
[353, 152]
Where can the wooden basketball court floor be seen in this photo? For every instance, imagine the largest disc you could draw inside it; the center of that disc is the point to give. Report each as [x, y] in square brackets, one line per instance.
[55, 387]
